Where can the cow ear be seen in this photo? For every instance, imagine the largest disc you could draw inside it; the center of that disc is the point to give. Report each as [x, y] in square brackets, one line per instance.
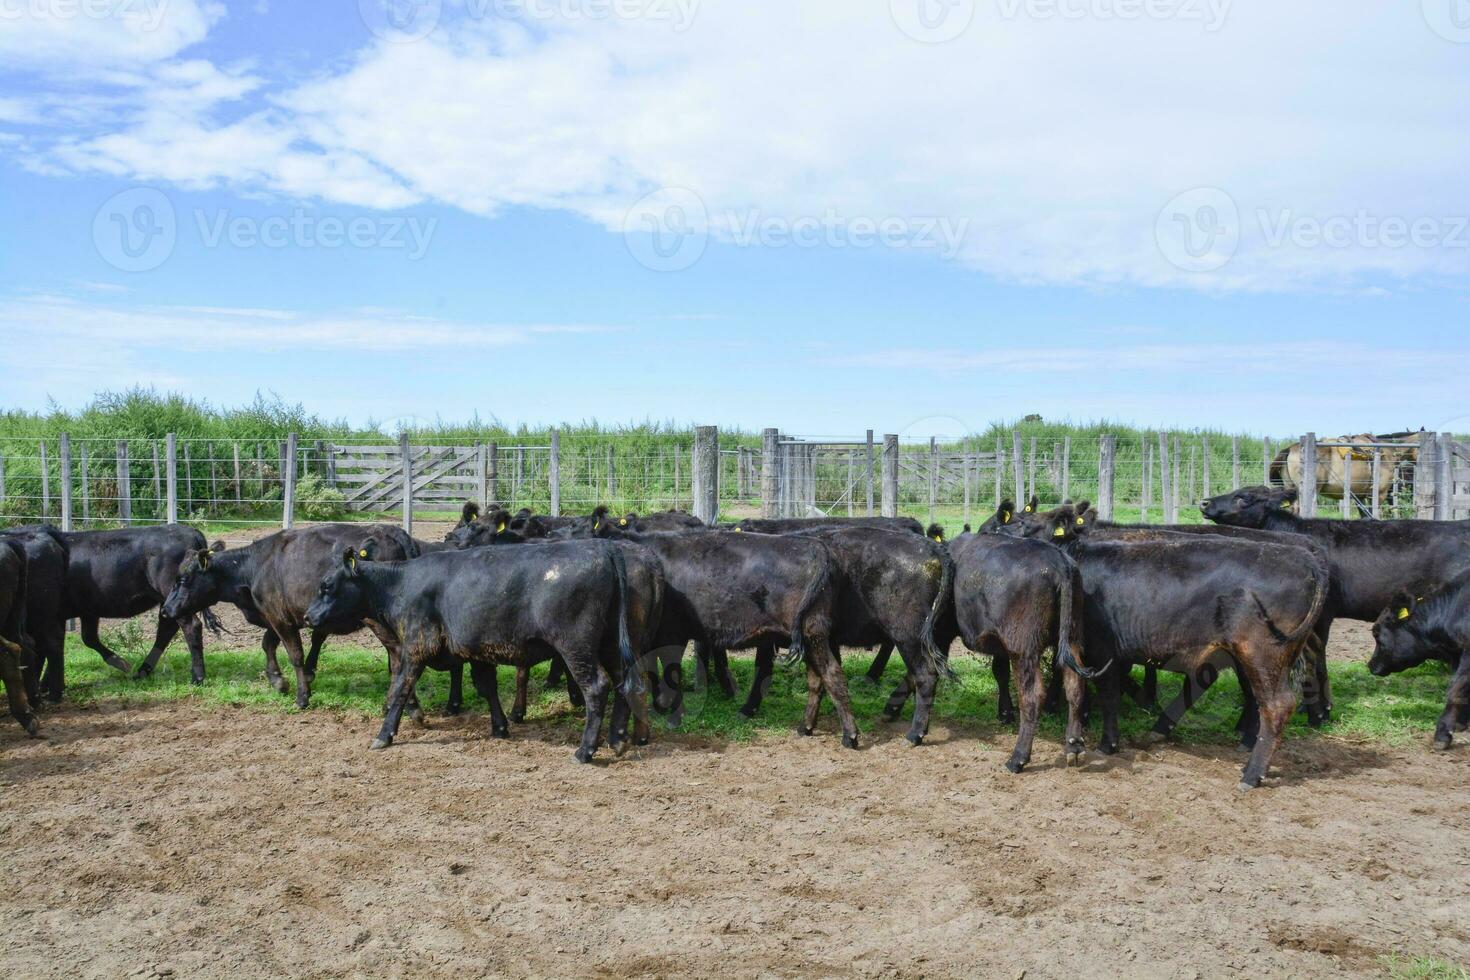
[217, 547]
[1032, 504]
[1289, 496]
[967, 529]
[936, 532]
[202, 557]
[1405, 604]
[368, 550]
[470, 512]
[1005, 511]
[349, 560]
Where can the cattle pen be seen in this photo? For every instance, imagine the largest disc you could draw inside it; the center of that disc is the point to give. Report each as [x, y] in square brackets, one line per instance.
[1150, 477]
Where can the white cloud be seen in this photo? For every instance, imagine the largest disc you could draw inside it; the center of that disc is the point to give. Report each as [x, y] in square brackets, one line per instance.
[1058, 139]
[67, 36]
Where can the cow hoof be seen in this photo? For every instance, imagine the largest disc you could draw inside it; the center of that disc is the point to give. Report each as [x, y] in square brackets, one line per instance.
[1108, 748]
[804, 731]
[1153, 737]
[849, 741]
[1008, 718]
[311, 677]
[745, 711]
[143, 672]
[915, 740]
[518, 717]
[417, 717]
[890, 715]
[1015, 766]
[380, 743]
[583, 756]
[618, 748]
[33, 728]
[279, 683]
[303, 703]
[1074, 759]
[500, 733]
[197, 681]
[453, 709]
[1442, 744]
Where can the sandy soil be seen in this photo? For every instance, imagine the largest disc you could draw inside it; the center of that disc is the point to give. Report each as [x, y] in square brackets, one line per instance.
[183, 840]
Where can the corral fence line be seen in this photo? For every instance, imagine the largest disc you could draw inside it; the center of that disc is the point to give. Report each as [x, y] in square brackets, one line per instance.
[1155, 477]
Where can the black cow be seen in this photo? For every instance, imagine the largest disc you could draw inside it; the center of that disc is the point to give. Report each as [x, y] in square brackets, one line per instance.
[504, 605]
[123, 573]
[734, 591]
[1177, 601]
[475, 529]
[16, 653]
[1434, 626]
[1370, 561]
[46, 559]
[894, 588]
[785, 525]
[273, 580]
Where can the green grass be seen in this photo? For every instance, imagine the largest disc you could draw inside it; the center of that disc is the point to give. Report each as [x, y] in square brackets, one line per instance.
[1423, 968]
[1399, 710]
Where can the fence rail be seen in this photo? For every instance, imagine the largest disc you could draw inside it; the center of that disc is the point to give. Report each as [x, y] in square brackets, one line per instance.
[1156, 477]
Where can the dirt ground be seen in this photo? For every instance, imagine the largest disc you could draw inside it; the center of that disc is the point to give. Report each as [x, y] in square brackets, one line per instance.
[181, 840]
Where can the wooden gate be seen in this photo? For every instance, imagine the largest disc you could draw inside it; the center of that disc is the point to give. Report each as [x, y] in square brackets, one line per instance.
[371, 477]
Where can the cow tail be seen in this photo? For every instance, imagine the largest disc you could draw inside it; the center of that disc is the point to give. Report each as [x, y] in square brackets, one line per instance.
[815, 587]
[211, 622]
[1065, 657]
[1322, 581]
[939, 659]
[15, 625]
[632, 680]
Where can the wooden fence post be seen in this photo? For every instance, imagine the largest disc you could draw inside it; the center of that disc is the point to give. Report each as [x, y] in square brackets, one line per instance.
[331, 451]
[1106, 461]
[933, 475]
[171, 478]
[482, 488]
[1174, 497]
[65, 482]
[1165, 479]
[554, 472]
[1067, 468]
[965, 467]
[86, 489]
[288, 483]
[1377, 483]
[1000, 471]
[124, 485]
[1234, 462]
[1347, 483]
[1148, 480]
[492, 474]
[707, 473]
[851, 483]
[770, 485]
[1425, 467]
[1267, 453]
[1443, 478]
[45, 483]
[1307, 491]
[1018, 473]
[612, 474]
[2, 478]
[188, 481]
[158, 505]
[868, 473]
[890, 475]
[1031, 471]
[405, 456]
[1204, 480]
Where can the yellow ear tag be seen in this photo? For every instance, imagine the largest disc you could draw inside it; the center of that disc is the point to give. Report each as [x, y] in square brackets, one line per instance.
[1028, 508]
[738, 530]
[622, 522]
[1005, 517]
[1081, 521]
[204, 561]
[596, 525]
[362, 553]
[939, 538]
[1286, 505]
[500, 528]
[1404, 613]
[352, 562]
[1059, 533]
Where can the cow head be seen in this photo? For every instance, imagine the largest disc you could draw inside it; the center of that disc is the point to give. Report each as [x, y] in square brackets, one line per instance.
[496, 527]
[1403, 636]
[935, 533]
[1249, 506]
[1059, 526]
[339, 596]
[197, 586]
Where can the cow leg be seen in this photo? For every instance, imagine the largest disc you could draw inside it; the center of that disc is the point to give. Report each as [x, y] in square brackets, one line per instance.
[720, 660]
[897, 700]
[879, 664]
[523, 684]
[193, 629]
[765, 663]
[15, 688]
[1195, 686]
[269, 642]
[574, 690]
[595, 686]
[813, 699]
[1000, 669]
[1459, 699]
[91, 639]
[499, 728]
[292, 641]
[1277, 703]
[556, 673]
[1248, 726]
[404, 678]
[835, 681]
[456, 688]
[673, 683]
[1150, 691]
[1028, 686]
[925, 681]
[1462, 717]
[163, 635]
[1076, 690]
[51, 645]
[617, 726]
[1054, 690]
[1316, 696]
[1110, 692]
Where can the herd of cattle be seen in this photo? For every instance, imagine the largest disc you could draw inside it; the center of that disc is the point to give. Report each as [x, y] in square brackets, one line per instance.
[612, 603]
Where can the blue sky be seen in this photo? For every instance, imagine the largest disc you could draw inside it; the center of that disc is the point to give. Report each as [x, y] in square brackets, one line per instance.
[902, 214]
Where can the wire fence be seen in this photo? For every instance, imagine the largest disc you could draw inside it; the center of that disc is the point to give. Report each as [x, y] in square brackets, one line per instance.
[1151, 477]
